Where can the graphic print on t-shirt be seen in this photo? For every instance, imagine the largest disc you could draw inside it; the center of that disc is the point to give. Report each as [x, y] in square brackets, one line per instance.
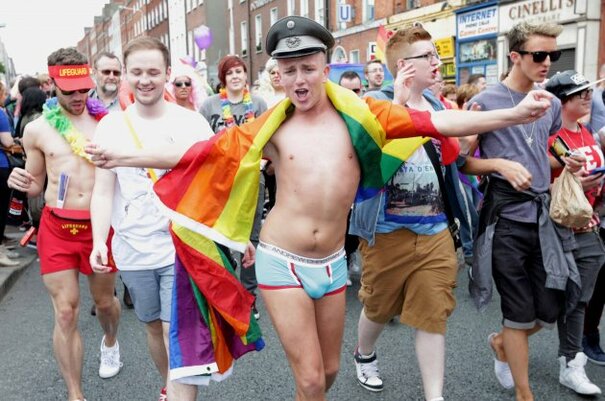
[412, 194]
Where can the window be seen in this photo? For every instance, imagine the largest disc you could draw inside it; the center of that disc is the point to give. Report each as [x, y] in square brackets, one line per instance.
[190, 43]
[411, 4]
[368, 10]
[320, 16]
[354, 57]
[304, 8]
[258, 30]
[274, 16]
[291, 7]
[244, 37]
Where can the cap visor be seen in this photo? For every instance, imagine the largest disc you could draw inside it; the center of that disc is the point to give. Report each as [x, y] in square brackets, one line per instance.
[581, 88]
[72, 84]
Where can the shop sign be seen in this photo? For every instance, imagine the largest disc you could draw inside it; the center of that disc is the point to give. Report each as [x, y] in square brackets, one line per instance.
[448, 70]
[445, 47]
[538, 11]
[483, 21]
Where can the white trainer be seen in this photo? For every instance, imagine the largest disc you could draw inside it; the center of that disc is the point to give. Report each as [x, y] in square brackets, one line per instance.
[367, 371]
[110, 360]
[501, 369]
[573, 375]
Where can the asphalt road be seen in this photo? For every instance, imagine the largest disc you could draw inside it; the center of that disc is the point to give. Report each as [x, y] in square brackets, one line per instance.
[28, 371]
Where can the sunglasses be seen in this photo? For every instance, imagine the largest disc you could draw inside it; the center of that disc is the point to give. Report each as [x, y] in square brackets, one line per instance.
[356, 90]
[186, 84]
[540, 56]
[115, 73]
[584, 95]
[69, 93]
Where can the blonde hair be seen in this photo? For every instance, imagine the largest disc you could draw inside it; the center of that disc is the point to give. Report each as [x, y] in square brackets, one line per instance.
[520, 33]
[400, 40]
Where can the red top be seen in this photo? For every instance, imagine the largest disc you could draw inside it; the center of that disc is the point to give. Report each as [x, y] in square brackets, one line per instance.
[584, 142]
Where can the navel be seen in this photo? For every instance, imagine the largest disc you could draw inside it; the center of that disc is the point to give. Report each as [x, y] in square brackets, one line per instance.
[291, 157]
[350, 155]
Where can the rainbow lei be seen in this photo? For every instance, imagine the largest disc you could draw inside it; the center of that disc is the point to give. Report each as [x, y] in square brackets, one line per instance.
[53, 114]
[226, 107]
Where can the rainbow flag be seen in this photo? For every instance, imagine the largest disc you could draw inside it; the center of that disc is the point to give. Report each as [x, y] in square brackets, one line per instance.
[381, 42]
[215, 204]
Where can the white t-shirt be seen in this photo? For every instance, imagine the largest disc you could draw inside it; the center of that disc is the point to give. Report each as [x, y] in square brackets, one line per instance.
[141, 238]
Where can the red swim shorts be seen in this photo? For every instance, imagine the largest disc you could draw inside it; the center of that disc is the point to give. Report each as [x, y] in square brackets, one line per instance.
[65, 241]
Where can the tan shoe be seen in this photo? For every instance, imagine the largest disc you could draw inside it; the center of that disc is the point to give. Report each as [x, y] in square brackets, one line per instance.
[5, 261]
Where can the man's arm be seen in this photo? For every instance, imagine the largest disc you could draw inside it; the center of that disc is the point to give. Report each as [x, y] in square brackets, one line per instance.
[101, 204]
[512, 171]
[165, 157]
[463, 123]
[31, 179]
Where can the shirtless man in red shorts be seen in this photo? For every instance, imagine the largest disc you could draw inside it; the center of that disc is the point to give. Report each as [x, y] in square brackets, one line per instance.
[54, 146]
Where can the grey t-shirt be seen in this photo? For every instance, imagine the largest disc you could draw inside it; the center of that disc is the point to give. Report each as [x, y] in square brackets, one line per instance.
[510, 143]
[212, 111]
[597, 110]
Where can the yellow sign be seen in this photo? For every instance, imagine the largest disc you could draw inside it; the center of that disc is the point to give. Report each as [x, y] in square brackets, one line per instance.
[448, 70]
[445, 47]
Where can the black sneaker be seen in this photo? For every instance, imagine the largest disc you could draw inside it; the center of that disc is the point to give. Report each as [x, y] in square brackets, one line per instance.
[255, 311]
[367, 371]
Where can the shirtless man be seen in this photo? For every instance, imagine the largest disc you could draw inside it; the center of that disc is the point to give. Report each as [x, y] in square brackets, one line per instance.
[300, 264]
[65, 234]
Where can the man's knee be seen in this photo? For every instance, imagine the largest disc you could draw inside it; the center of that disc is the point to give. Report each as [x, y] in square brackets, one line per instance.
[154, 329]
[67, 316]
[312, 383]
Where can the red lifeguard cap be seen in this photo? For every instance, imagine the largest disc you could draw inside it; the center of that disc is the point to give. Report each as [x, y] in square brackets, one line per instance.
[71, 77]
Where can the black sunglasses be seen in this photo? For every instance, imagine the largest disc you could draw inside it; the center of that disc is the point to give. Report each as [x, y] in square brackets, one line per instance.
[356, 90]
[186, 84]
[115, 73]
[69, 93]
[540, 56]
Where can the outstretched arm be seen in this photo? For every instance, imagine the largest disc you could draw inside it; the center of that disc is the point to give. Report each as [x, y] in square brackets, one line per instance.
[165, 157]
[462, 123]
[100, 213]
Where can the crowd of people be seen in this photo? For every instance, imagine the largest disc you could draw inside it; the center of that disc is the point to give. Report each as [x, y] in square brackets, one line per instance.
[200, 202]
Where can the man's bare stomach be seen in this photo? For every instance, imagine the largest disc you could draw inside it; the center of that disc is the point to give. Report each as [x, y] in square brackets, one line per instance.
[303, 234]
[79, 191]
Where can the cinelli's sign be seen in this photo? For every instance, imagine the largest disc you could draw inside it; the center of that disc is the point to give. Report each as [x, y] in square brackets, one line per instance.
[537, 11]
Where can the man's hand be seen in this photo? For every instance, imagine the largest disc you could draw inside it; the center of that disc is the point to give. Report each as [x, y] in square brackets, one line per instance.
[98, 259]
[533, 106]
[403, 82]
[514, 173]
[249, 256]
[101, 157]
[20, 179]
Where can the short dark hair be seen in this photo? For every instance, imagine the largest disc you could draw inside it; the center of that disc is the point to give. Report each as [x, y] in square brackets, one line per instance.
[26, 83]
[108, 55]
[349, 74]
[146, 43]
[67, 56]
[474, 78]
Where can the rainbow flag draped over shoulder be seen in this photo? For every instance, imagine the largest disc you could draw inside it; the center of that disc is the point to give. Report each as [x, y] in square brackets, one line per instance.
[215, 204]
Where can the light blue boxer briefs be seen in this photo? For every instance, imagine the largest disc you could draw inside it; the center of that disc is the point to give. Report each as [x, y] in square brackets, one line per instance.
[278, 269]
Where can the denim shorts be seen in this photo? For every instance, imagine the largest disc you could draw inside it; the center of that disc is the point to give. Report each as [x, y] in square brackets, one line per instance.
[151, 292]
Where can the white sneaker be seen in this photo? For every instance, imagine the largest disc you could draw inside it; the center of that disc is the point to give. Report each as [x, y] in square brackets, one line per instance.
[573, 375]
[501, 369]
[110, 360]
[367, 371]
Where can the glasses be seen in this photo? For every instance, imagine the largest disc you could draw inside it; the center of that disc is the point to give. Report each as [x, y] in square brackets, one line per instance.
[186, 84]
[426, 56]
[584, 95]
[356, 90]
[115, 73]
[69, 93]
[375, 70]
[540, 56]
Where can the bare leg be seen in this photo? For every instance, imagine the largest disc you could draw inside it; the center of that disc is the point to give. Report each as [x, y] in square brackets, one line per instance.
[294, 317]
[516, 350]
[67, 343]
[108, 307]
[367, 334]
[157, 349]
[176, 391]
[330, 318]
[430, 351]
